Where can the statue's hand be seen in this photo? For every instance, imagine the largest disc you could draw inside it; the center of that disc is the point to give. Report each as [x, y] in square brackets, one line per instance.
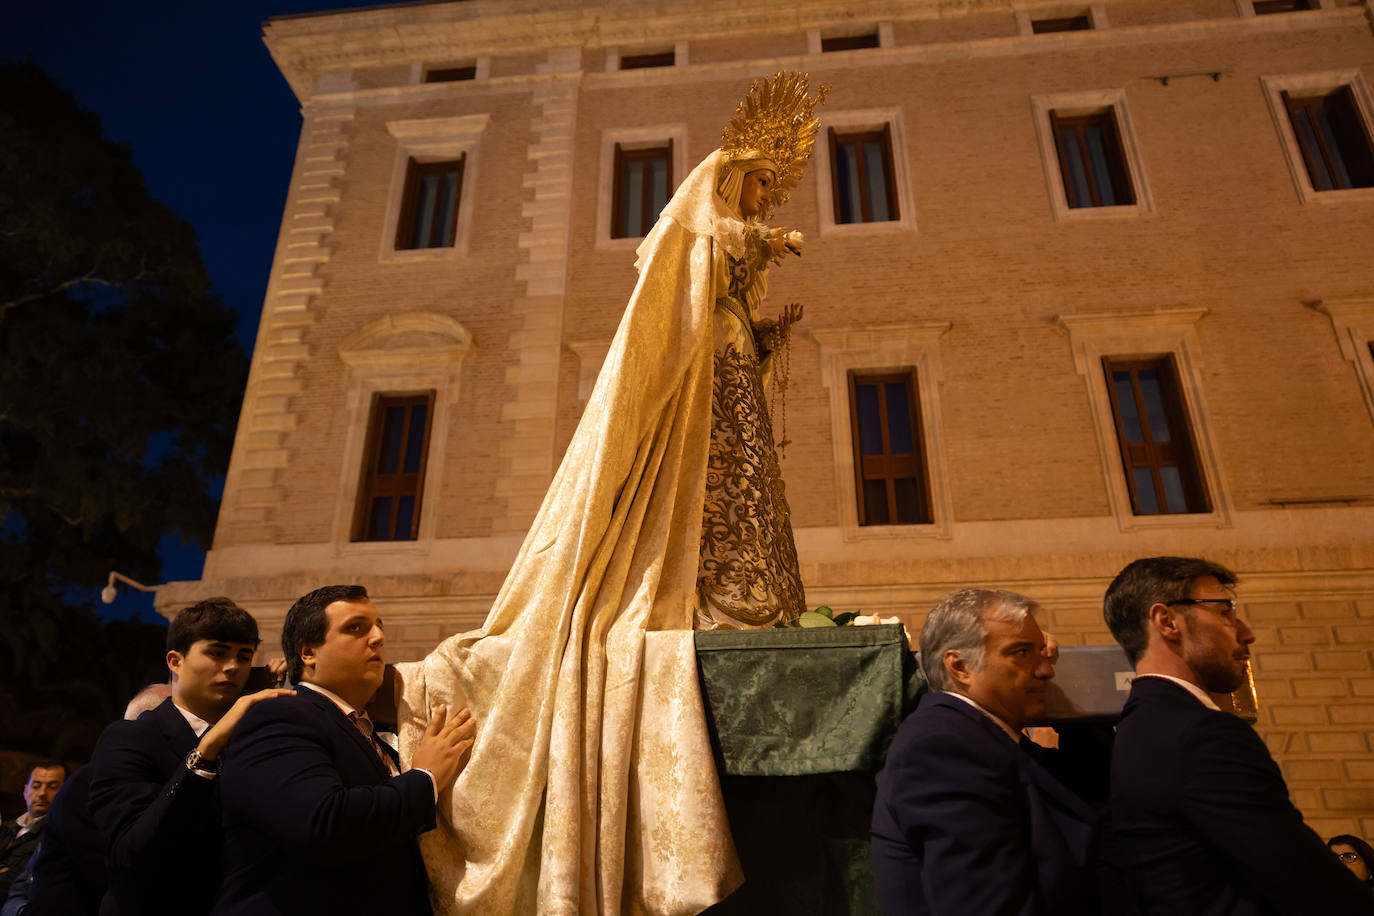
[777, 241]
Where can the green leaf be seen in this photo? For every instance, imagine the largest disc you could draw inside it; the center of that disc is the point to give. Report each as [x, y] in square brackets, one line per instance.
[845, 619]
[825, 611]
[812, 619]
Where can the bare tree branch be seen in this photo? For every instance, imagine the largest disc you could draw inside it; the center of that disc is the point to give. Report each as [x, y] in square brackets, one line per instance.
[88, 278]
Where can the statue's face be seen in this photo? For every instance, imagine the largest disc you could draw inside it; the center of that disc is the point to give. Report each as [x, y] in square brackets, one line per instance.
[757, 185]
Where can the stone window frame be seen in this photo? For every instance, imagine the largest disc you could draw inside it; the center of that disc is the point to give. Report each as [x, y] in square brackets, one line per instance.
[1097, 18]
[1352, 320]
[407, 351]
[1159, 332]
[1087, 102]
[433, 140]
[887, 348]
[852, 122]
[1315, 82]
[632, 138]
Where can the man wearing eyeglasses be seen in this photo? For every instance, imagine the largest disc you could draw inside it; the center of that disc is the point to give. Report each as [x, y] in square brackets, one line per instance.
[1201, 819]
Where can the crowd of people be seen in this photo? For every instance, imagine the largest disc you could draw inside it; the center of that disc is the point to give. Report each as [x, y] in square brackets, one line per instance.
[305, 810]
[207, 799]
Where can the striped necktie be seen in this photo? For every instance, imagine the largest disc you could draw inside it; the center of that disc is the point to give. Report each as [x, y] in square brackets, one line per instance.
[364, 724]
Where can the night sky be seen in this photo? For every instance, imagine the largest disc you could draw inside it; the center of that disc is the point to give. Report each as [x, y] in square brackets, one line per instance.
[213, 127]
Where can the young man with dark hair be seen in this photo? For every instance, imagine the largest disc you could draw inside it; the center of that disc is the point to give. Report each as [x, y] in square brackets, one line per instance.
[19, 837]
[1201, 818]
[318, 816]
[153, 792]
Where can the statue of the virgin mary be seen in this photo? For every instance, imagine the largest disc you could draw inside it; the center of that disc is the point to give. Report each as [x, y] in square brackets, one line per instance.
[591, 788]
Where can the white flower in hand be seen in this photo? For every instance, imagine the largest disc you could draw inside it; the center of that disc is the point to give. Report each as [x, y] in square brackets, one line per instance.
[794, 241]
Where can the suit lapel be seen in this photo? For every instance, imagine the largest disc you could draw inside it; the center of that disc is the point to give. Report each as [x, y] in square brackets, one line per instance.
[352, 735]
[177, 735]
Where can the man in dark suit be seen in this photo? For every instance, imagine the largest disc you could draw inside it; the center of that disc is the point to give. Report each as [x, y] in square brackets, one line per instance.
[318, 816]
[967, 817]
[153, 792]
[66, 875]
[1201, 819]
[19, 837]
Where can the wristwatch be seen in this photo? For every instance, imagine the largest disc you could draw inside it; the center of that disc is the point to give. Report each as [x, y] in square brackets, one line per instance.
[200, 766]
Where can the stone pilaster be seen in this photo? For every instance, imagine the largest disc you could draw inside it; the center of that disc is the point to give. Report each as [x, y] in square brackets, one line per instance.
[530, 410]
[253, 492]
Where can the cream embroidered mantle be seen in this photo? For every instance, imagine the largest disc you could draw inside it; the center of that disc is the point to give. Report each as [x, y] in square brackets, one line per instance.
[592, 788]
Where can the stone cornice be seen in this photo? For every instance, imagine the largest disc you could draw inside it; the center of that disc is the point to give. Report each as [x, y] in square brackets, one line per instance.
[307, 45]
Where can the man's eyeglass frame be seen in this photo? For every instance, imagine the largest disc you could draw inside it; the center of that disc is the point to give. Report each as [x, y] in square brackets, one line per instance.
[1229, 602]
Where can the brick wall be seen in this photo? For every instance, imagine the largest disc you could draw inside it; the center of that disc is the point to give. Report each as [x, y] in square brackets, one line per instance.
[1028, 482]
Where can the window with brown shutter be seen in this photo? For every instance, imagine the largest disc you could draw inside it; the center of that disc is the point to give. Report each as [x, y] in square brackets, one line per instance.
[429, 207]
[645, 61]
[393, 474]
[1062, 24]
[1264, 7]
[891, 483]
[1334, 141]
[1157, 450]
[643, 183]
[1091, 160]
[850, 42]
[451, 74]
[862, 178]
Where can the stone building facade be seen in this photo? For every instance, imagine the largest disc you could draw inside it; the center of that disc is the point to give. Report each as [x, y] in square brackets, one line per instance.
[1215, 254]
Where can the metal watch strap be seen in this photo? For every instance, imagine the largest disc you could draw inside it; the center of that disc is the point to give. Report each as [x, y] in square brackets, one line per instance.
[197, 763]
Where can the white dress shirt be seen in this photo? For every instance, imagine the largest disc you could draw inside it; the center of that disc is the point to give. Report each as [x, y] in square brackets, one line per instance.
[1192, 688]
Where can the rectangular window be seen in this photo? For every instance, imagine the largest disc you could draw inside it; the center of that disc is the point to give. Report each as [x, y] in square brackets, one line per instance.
[1091, 160]
[645, 61]
[1264, 7]
[1156, 444]
[394, 467]
[429, 209]
[643, 182]
[451, 74]
[862, 176]
[889, 465]
[850, 43]
[1063, 24]
[1331, 134]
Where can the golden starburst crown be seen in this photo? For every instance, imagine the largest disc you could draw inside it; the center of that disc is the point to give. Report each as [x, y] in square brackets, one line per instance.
[776, 121]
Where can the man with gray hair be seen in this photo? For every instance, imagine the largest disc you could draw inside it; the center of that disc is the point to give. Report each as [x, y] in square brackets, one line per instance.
[967, 818]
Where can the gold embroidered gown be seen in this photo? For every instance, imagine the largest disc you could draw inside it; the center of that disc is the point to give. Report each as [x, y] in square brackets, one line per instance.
[748, 575]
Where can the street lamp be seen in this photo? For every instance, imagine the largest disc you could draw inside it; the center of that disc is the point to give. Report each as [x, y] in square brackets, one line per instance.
[107, 594]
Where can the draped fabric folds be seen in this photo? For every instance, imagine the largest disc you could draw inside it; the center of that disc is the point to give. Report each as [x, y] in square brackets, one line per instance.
[591, 788]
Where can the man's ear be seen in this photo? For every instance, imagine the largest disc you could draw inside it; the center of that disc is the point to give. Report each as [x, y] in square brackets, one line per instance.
[306, 653]
[1164, 621]
[957, 669]
[174, 660]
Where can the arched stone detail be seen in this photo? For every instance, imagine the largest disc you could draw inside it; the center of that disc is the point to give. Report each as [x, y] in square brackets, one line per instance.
[422, 340]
